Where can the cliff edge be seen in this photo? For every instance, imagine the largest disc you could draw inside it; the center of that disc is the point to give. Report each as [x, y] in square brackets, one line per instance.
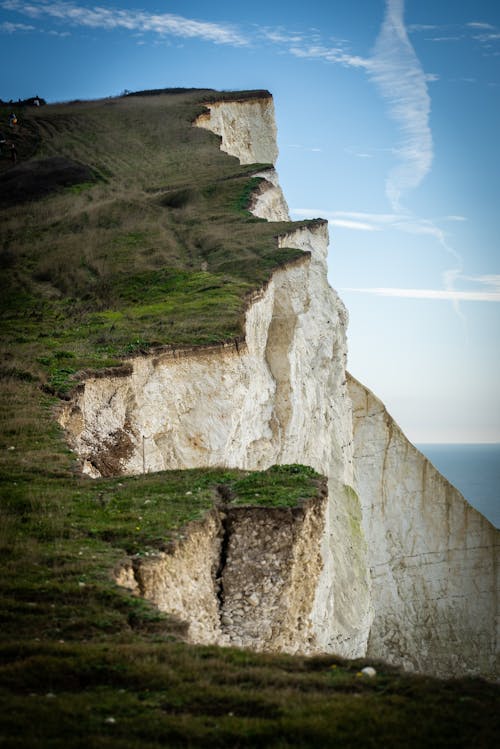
[393, 563]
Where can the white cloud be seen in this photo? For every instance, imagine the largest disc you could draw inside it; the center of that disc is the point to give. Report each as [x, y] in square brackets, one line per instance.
[492, 280]
[300, 147]
[282, 36]
[131, 20]
[364, 221]
[432, 294]
[449, 294]
[444, 38]
[397, 72]
[12, 28]
[340, 219]
[404, 222]
[486, 38]
[422, 27]
[310, 45]
[480, 25]
[329, 54]
[343, 223]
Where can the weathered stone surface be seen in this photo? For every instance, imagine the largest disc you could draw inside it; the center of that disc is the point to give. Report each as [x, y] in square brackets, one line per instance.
[268, 201]
[247, 128]
[182, 581]
[269, 579]
[433, 558]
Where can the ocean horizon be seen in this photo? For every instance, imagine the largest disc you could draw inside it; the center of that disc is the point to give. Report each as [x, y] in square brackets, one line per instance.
[474, 469]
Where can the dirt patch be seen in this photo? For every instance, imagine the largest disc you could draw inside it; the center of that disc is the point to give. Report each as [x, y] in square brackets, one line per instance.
[34, 179]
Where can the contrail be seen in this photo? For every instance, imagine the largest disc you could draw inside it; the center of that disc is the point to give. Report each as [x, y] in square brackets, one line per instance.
[398, 74]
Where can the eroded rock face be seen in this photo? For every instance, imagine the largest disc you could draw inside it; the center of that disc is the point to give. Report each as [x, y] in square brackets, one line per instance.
[279, 398]
[247, 128]
[268, 201]
[244, 576]
[432, 556]
[182, 581]
[270, 577]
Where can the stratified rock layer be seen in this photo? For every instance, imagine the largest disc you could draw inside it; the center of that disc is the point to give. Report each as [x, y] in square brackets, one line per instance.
[395, 564]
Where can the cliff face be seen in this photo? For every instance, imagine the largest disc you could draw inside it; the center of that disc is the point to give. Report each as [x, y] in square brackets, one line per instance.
[283, 397]
[432, 556]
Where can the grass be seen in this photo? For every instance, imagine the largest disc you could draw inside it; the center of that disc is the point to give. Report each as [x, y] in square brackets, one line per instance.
[138, 695]
[159, 251]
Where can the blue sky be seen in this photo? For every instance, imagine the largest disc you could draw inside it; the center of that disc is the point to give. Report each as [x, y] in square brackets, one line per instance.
[388, 115]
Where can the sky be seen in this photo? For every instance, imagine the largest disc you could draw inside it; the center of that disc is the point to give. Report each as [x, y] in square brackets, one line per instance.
[388, 114]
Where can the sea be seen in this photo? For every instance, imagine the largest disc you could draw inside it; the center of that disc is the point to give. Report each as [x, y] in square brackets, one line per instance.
[474, 470]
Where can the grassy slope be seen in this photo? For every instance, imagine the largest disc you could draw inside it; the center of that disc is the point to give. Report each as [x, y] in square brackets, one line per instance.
[158, 251]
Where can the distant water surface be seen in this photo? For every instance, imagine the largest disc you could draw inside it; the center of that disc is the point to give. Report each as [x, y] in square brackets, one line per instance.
[474, 470]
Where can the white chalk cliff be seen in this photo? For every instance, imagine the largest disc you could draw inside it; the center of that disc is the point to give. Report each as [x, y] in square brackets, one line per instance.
[392, 562]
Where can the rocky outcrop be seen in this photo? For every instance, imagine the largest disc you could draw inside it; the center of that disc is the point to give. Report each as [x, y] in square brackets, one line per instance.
[244, 576]
[432, 556]
[268, 201]
[394, 563]
[182, 581]
[270, 576]
[247, 128]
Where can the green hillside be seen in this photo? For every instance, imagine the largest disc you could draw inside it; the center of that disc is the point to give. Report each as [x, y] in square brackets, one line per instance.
[123, 229]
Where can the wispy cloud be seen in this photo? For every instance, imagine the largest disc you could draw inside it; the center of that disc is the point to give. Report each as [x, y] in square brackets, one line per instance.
[397, 72]
[432, 294]
[354, 220]
[310, 45]
[479, 31]
[345, 223]
[492, 280]
[399, 221]
[404, 222]
[110, 19]
[330, 54]
[13, 28]
[488, 37]
[422, 27]
[300, 147]
[444, 38]
[282, 36]
[479, 25]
